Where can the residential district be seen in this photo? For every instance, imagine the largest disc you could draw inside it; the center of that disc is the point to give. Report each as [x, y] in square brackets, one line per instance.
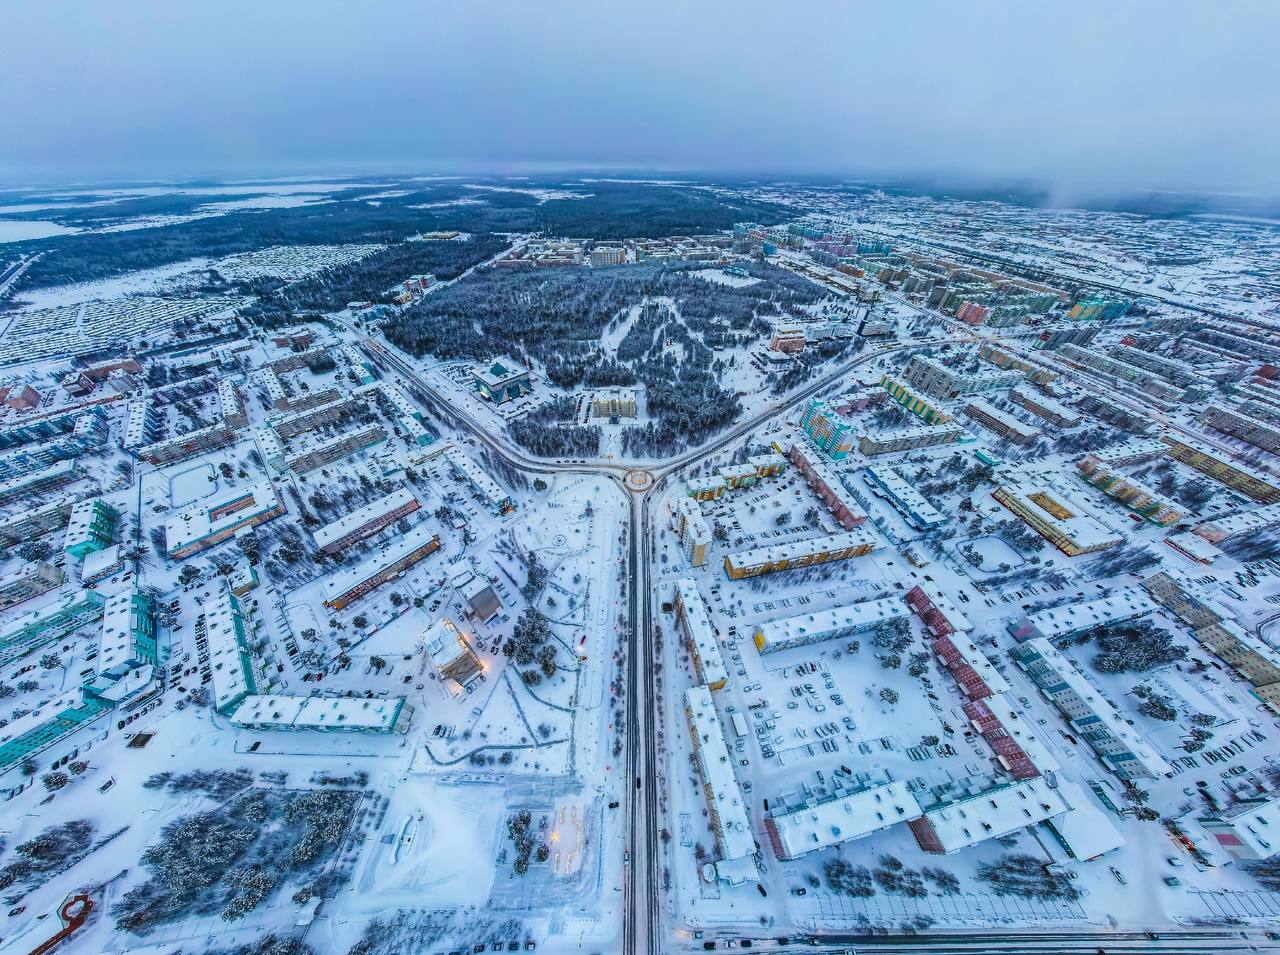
[965, 626]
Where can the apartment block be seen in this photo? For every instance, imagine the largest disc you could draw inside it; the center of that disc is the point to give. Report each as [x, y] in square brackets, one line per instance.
[1236, 422]
[943, 381]
[352, 583]
[1130, 492]
[209, 524]
[1056, 517]
[725, 802]
[365, 521]
[1095, 719]
[824, 481]
[692, 530]
[822, 625]
[1054, 412]
[917, 405]
[1001, 422]
[819, 550]
[700, 636]
[30, 579]
[828, 430]
[908, 439]
[1222, 468]
[92, 527]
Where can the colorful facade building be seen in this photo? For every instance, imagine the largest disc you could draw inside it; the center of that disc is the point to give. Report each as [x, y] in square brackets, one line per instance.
[830, 432]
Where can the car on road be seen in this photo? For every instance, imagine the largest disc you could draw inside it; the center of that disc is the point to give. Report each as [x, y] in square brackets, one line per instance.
[1119, 876]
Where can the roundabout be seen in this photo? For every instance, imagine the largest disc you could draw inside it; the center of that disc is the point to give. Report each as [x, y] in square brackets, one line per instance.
[638, 479]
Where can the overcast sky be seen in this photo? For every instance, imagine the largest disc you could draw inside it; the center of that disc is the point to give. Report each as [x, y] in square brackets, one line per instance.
[1106, 95]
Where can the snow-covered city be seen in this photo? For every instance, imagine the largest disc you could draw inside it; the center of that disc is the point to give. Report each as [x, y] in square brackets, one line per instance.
[595, 561]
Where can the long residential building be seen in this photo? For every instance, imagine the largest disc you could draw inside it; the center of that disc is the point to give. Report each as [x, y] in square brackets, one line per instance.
[725, 802]
[365, 521]
[30, 523]
[923, 409]
[299, 422]
[1236, 422]
[210, 523]
[188, 445]
[889, 484]
[1055, 516]
[1001, 422]
[29, 579]
[321, 714]
[1130, 492]
[227, 634]
[1068, 620]
[498, 500]
[804, 553]
[691, 530]
[352, 583]
[824, 481]
[25, 485]
[1223, 468]
[944, 381]
[1132, 451]
[1095, 719]
[31, 631]
[821, 625]
[1054, 412]
[699, 634]
[973, 818]
[129, 633]
[908, 439]
[844, 815]
[308, 455]
[91, 527]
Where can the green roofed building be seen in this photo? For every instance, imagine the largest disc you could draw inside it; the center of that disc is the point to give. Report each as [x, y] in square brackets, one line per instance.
[502, 380]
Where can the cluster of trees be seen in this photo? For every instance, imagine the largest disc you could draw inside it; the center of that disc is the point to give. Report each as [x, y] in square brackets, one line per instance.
[549, 431]
[1154, 705]
[892, 637]
[367, 280]
[1133, 647]
[54, 850]
[890, 875]
[519, 829]
[1026, 877]
[230, 860]
[628, 210]
[530, 643]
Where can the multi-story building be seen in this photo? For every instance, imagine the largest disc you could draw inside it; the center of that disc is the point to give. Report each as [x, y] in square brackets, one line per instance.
[26, 525]
[975, 674]
[1108, 366]
[787, 339]
[822, 625]
[725, 803]
[1096, 720]
[1222, 468]
[183, 446]
[92, 527]
[129, 634]
[1133, 451]
[352, 583]
[1248, 829]
[941, 381]
[1002, 358]
[209, 524]
[1236, 422]
[1241, 524]
[31, 631]
[973, 818]
[30, 579]
[465, 469]
[452, 656]
[603, 256]
[1112, 412]
[308, 455]
[231, 664]
[141, 425]
[850, 812]
[231, 404]
[1056, 517]
[1057, 624]
[699, 634]
[1131, 492]
[365, 521]
[918, 406]
[830, 432]
[692, 530]
[1046, 408]
[614, 403]
[299, 422]
[936, 610]
[502, 380]
[819, 550]
[1099, 309]
[888, 483]
[1001, 422]
[825, 483]
[908, 439]
[24, 485]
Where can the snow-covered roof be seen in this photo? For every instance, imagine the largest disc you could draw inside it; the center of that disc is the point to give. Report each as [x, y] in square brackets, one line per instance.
[822, 625]
[995, 812]
[1064, 620]
[734, 830]
[795, 550]
[1041, 496]
[380, 507]
[319, 713]
[903, 494]
[1084, 830]
[700, 632]
[845, 817]
[210, 517]
[346, 579]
